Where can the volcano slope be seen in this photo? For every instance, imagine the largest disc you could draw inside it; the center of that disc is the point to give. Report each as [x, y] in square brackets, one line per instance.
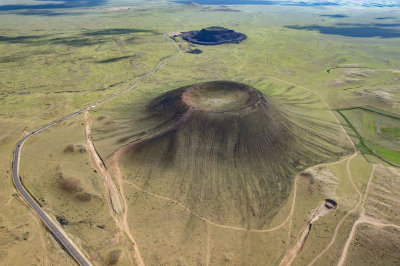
[225, 151]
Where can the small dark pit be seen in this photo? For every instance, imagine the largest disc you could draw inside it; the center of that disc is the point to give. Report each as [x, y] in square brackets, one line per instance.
[330, 204]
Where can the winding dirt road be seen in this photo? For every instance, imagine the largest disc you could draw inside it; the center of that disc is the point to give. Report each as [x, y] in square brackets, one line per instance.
[118, 198]
[52, 225]
[363, 218]
[112, 191]
[320, 211]
[344, 217]
[117, 201]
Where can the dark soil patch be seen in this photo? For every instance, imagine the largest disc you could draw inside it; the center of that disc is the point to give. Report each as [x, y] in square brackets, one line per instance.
[70, 148]
[84, 197]
[194, 51]
[309, 178]
[306, 175]
[69, 184]
[113, 257]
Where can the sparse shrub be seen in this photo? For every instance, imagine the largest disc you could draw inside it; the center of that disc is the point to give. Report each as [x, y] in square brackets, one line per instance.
[81, 149]
[62, 221]
[84, 197]
[69, 184]
[306, 175]
[26, 236]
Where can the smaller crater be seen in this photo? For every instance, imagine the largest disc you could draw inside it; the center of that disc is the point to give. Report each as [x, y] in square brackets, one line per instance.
[213, 36]
[330, 204]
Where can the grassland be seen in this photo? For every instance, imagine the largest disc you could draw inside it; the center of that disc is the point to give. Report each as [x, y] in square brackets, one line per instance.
[70, 190]
[56, 60]
[377, 132]
[375, 245]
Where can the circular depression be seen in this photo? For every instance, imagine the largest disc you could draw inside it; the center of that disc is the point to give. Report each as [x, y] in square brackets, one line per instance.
[220, 96]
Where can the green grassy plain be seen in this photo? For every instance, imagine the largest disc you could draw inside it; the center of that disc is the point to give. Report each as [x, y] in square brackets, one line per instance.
[55, 61]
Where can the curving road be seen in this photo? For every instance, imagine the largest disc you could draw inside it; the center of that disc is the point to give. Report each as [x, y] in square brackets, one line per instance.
[53, 226]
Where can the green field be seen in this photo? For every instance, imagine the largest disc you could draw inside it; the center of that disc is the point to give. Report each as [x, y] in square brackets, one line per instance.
[377, 132]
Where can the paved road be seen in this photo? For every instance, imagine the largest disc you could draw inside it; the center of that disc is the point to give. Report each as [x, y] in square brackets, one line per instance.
[57, 231]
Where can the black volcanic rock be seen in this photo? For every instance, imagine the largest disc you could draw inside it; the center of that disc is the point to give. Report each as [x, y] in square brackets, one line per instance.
[194, 51]
[213, 36]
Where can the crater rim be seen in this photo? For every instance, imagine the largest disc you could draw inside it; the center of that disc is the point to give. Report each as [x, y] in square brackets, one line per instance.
[220, 96]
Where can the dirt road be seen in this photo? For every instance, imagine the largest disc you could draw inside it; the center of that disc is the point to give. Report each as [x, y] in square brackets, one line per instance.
[322, 209]
[53, 226]
[117, 202]
[98, 163]
[363, 218]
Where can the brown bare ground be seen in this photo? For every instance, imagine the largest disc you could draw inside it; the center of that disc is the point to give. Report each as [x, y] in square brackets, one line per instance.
[115, 202]
[69, 148]
[112, 190]
[113, 257]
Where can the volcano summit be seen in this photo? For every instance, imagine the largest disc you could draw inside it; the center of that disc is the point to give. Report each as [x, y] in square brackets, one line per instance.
[226, 151]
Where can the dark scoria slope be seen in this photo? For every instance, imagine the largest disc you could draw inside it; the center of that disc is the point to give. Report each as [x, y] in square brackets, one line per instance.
[228, 153]
[213, 36]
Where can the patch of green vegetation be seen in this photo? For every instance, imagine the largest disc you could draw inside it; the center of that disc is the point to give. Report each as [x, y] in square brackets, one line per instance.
[390, 155]
[392, 132]
[376, 132]
[368, 125]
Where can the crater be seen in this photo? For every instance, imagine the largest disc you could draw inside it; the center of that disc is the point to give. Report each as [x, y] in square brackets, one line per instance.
[214, 35]
[220, 96]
